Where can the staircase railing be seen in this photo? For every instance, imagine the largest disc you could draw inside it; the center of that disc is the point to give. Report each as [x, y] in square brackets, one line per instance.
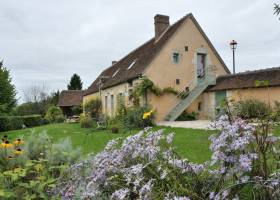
[202, 83]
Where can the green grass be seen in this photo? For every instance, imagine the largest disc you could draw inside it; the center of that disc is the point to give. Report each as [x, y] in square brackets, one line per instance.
[192, 144]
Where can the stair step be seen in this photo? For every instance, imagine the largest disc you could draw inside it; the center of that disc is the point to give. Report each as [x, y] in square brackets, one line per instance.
[184, 103]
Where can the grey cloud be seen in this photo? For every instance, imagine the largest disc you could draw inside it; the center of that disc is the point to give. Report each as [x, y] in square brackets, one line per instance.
[48, 41]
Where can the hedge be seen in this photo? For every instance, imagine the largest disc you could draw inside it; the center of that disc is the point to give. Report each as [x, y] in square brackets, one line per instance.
[8, 123]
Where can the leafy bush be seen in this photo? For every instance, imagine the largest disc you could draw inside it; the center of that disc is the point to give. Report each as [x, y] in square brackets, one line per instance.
[185, 116]
[134, 117]
[4, 123]
[77, 110]
[63, 152]
[251, 108]
[32, 172]
[93, 108]
[8, 123]
[31, 108]
[33, 120]
[16, 123]
[54, 114]
[244, 165]
[86, 121]
[138, 168]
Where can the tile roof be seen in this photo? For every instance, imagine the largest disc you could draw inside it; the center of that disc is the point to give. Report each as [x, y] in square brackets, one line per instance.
[70, 98]
[142, 56]
[247, 79]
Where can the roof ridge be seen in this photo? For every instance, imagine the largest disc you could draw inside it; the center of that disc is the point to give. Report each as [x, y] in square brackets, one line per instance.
[251, 72]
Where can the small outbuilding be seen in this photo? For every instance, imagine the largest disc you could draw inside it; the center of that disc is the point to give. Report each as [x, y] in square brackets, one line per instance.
[68, 99]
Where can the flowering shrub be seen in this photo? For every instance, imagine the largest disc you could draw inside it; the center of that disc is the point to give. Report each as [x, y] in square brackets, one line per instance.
[29, 168]
[244, 164]
[143, 166]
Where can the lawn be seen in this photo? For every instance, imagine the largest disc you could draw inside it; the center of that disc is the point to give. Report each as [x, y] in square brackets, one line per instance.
[192, 144]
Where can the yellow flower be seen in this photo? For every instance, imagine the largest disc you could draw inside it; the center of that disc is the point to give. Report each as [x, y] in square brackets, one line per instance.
[9, 157]
[18, 151]
[146, 115]
[18, 141]
[6, 144]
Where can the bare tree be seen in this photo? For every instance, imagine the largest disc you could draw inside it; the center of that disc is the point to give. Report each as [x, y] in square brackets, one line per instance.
[36, 93]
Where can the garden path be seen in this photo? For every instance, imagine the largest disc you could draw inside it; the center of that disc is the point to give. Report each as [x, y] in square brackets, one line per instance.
[196, 124]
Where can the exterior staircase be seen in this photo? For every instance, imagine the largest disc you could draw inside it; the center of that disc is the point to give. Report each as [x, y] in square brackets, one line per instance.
[202, 84]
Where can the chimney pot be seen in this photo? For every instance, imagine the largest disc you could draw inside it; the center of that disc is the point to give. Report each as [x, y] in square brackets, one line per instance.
[161, 24]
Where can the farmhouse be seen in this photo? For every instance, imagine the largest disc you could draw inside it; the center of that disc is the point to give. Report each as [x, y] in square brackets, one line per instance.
[179, 56]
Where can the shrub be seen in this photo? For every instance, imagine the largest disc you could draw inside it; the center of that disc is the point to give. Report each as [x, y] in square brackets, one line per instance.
[77, 110]
[86, 121]
[93, 108]
[63, 152]
[8, 123]
[54, 114]
[33, 120]
[185, 116]
[16, 123]
[4, 123]
[33, 172]
[137, 168]
[252, 108]
[134, 117]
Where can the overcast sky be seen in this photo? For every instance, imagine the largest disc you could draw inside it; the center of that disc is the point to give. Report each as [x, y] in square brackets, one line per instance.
[45, 42]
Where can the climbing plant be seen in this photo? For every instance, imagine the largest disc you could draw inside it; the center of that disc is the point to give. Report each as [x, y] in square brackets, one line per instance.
[147, 86]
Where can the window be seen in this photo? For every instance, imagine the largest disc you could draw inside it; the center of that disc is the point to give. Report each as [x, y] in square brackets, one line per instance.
[186, 48]
[176, 58]
[112, 105]
[200, 65]
[131, 64]
[199, 106]
[130, 95]
[106, 104]
[115, 73]
[177, 81]
[130, 84]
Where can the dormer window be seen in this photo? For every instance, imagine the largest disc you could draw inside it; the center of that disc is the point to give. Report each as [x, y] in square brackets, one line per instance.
[129, 67]
[115, 73]
[176, 58]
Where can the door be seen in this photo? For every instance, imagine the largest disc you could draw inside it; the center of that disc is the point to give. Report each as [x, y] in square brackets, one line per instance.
[220, 96]
[200, 65]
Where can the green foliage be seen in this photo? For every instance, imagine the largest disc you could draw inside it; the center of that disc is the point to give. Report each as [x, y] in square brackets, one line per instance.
[170, 90]
[33, 120]
[32, 181]
[75, 83]
[8, 123]
[7, 91]
[93, 108]
[63, 152]
[86, 121]
[16, 123]
[185, 116]
[33, 173]
[77, 110]
[54, 115]
[134, 118]
[252, 108]
[4, 123]
[146, 86]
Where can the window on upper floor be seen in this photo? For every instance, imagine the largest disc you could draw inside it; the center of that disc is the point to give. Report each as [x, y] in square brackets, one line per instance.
[177, 81]
[176, 58]
[201, 64]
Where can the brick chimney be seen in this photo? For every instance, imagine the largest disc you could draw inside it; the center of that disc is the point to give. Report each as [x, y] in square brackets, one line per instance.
[161, 24]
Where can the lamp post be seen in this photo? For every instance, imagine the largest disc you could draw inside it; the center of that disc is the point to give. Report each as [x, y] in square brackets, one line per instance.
[233, 45]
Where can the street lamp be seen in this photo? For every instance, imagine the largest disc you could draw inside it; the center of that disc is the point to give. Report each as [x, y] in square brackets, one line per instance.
[233, 45]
